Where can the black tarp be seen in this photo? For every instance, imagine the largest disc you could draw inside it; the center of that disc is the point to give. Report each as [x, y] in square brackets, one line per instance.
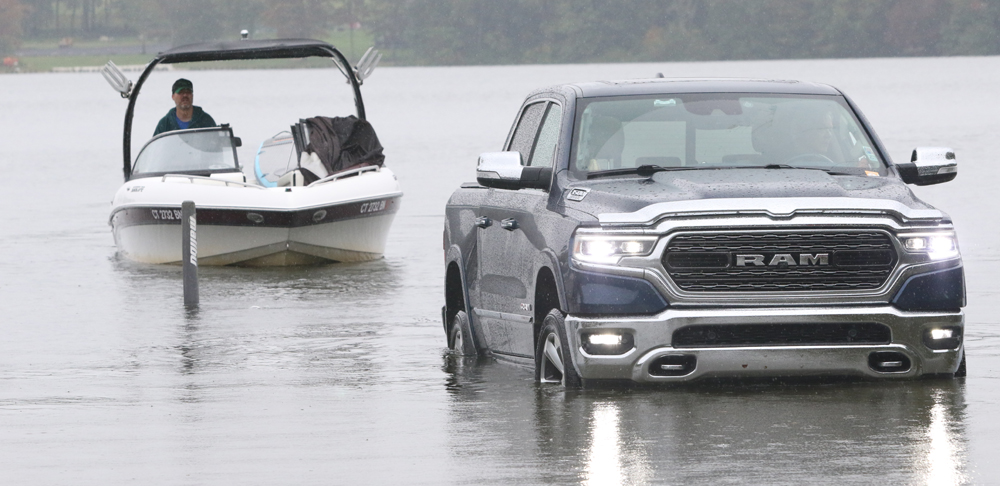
[343, 142]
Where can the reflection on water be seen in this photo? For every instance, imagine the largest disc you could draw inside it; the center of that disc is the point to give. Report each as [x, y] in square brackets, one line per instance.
[320, 323]
[358, 281]
[613, 458]
[188, 347]
[945, 461]
[764, 433]
[603, 461]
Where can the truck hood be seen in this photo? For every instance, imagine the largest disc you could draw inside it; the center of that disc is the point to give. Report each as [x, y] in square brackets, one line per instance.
[777, 192]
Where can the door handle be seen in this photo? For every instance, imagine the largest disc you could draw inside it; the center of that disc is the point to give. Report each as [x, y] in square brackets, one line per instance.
[509, 224]
[483, 222]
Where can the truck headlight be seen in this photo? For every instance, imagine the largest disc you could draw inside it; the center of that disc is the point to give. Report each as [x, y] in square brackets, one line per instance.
[935, 246]
[609, 249]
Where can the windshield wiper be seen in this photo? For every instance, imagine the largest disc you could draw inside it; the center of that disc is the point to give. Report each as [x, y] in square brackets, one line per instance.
[642, 171]
[649, 170]
[786, 166]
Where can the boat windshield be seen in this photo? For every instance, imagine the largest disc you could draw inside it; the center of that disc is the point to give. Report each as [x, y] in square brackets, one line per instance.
[200, 151]
[721, 131]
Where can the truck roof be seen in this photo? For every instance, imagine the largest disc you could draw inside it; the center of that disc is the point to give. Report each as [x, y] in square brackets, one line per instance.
[654, 86]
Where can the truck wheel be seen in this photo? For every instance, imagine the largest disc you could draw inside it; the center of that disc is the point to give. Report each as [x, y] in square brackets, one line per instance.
[460, 335]
[552, 357]
[960, 372]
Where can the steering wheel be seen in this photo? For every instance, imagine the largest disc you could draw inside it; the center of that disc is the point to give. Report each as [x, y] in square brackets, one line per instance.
[810, 158]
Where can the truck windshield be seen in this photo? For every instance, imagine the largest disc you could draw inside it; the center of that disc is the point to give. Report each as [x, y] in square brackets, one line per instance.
[721, 130]
[188, 151]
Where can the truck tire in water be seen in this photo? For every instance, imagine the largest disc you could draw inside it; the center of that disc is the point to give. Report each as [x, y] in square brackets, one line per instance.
[552, 357]
[460, 335]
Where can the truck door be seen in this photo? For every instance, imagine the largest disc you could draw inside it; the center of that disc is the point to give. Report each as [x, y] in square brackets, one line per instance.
[509, 246]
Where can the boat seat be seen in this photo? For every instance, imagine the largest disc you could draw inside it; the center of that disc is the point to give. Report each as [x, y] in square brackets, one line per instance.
[230, 176]
[292, 178]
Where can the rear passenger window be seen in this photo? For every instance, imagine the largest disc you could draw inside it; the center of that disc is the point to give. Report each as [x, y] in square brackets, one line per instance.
[548, 137]
[527, 128]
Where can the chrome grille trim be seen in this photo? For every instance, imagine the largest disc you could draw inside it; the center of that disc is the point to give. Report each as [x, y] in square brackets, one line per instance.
[860, 245]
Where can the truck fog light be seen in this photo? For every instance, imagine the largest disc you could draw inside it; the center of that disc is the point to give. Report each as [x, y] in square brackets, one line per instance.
[941, 334]
[607, 343]
[943, 338]
[609, 339]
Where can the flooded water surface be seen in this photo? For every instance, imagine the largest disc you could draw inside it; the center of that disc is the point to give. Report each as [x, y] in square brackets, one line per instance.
[338, 374]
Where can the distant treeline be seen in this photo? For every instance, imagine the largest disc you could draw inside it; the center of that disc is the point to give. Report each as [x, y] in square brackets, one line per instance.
[543, 31]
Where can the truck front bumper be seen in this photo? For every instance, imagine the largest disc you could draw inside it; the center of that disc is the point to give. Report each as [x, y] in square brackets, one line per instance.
[653, 358]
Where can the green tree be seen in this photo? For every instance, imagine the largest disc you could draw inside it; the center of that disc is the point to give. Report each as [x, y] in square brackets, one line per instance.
[193, 20]
[677, 30]
[391, 24]
[597, 31]
[972, 29]
[140, 17]
[913, 27]
[299, 18]
[11, 15]
[849, 28]
[242, 14]
[532, 31]
[38, 18]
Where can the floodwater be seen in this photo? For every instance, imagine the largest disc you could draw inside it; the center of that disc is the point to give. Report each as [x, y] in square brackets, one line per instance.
[338, 374]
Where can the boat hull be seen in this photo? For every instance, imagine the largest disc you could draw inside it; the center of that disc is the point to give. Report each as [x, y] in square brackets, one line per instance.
[237, 224]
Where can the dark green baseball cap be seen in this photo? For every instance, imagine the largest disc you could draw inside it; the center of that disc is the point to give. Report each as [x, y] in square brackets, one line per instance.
[181, 84]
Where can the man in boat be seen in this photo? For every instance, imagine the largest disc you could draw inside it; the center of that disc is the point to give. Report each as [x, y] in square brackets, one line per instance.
[185, 115]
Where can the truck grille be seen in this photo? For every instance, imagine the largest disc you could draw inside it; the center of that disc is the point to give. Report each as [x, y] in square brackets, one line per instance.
[865, 333]
[780, 261]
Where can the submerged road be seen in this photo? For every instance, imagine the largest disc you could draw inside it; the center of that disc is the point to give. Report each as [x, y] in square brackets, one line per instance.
[338, 374]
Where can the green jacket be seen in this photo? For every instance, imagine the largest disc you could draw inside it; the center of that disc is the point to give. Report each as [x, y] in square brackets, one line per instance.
[199, 119]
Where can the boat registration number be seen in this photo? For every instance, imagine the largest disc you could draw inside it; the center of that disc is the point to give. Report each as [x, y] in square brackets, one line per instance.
[166, 213]
[373, 207]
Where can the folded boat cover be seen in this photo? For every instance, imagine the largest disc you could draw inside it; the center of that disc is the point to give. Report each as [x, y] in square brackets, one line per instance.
[343, 142]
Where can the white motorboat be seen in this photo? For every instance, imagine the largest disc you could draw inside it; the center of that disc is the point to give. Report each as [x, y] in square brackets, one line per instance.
[307, 203]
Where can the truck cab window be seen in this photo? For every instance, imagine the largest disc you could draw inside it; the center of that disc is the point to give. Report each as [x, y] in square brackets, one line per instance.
[527, 128]
[548, 136]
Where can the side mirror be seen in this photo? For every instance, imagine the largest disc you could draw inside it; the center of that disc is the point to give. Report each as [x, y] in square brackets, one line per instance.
[929, 165]
[117, 79]
[503, 170]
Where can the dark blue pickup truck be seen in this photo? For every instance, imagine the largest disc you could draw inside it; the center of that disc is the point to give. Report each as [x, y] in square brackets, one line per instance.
[671, 230]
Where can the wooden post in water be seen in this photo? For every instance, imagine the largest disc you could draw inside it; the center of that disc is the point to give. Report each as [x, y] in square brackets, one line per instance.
[189, 252]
